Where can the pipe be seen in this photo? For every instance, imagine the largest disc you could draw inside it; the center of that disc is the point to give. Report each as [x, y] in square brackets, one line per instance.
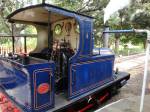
[49, 31]
[86, 108]
[25, 44]
[106, 37]
[145, 67]
[119, 31]
[102, 98]
[13, 38]
[146, 58]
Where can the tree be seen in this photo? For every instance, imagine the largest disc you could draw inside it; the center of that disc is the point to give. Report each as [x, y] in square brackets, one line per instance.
[139, 14]
[126, 18]
[7, 7]
[135, 16]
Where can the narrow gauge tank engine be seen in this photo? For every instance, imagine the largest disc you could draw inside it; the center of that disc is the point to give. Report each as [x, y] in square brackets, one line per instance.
[63, 68]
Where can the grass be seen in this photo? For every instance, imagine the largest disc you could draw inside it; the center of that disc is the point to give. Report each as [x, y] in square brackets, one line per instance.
[130, 50]
[124, 50]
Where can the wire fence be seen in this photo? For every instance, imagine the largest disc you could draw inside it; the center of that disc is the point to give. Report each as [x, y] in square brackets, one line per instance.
[5, 50]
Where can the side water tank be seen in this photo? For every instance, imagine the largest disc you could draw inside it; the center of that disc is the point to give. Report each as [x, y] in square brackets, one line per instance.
[102, 51]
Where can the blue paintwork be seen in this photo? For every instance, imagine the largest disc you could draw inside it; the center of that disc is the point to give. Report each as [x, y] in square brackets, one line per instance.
[120, 31]
[87, 71]
[22, 85]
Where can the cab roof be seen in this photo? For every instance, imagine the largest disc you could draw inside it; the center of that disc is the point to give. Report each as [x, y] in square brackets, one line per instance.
[40, 13]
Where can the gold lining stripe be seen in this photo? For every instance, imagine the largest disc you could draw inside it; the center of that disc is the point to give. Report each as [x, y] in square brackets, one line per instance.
[81, 63]
[35, 93]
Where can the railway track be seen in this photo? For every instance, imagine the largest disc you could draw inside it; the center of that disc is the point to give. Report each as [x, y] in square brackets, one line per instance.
[124, 58]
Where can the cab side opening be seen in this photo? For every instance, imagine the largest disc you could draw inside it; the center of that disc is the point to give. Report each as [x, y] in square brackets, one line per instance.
[65, 40]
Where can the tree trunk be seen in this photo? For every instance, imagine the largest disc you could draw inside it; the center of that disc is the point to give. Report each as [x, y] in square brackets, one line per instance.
[117, 41]
[145, 43]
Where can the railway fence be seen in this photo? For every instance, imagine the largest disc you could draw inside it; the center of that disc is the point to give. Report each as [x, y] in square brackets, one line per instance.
[5, 48]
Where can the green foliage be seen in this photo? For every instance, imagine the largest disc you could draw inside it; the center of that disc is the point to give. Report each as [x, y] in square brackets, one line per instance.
[141, 20]
[5, 40]
[68, 4]
[30, 30]
[137, 15]
[131, 51]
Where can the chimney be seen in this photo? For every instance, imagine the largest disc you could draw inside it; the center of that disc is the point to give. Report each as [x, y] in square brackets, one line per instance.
[106, 38]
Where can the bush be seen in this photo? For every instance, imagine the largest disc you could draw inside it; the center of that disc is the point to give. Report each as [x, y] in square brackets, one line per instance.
[130, 51]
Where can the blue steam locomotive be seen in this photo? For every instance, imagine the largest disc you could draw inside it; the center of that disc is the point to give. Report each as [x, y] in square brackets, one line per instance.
[64, 68]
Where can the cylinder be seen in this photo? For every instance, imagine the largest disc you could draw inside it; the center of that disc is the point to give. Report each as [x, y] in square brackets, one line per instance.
[106, 37]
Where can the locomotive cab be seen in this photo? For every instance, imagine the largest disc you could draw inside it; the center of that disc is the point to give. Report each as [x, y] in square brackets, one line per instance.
[63, 68]
[57, 42]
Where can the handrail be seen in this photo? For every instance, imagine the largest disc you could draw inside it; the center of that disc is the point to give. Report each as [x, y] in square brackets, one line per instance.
[21, 35]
